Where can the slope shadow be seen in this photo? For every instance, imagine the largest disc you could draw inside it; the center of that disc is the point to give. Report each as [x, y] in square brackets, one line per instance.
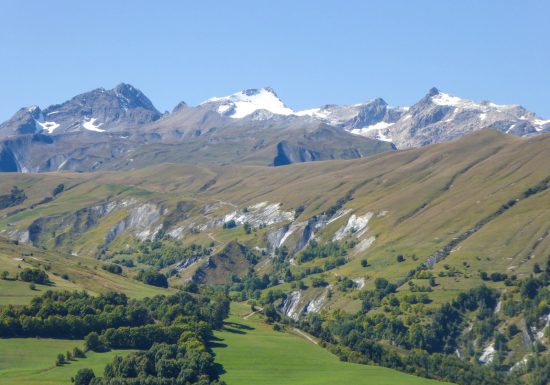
[217, 342]
[238, 326]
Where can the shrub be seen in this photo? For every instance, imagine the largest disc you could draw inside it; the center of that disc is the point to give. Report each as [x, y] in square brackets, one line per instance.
[84, 376]
[153, 278]
[34, 275]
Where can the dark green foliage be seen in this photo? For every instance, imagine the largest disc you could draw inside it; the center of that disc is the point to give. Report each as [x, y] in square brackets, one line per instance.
[84, 376]
[60, 360]
[124, 262]
[373, 298]
[78, 353]
[14, 198]
[431, 346]
[345, 284]
[58, 189]
[299, 210]
[315, 250]
[153, 278]
[400, 258]
[112, 268]
[364, 263]
[94, 343]
[230, 224]
[271, 314]
[35, 276]
[339, 204]
[319, 282]
[161, 253]
[76, 314]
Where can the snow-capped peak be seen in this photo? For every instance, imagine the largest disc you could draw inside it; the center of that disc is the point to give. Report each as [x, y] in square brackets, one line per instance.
[244, 103]
[444, 99]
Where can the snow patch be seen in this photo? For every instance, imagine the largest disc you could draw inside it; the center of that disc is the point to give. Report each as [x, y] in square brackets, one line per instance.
[380, 128]
[443, 99]
[89, 124]
[49, 127]
[246, 102]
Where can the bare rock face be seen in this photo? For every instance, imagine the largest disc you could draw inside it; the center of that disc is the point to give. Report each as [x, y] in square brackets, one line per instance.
[99, 110]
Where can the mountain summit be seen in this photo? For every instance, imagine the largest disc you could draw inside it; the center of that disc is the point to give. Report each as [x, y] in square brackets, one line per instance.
[246, 102]
[98, 110]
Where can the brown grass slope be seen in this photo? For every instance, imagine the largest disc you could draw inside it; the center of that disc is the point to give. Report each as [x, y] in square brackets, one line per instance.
[431, 195]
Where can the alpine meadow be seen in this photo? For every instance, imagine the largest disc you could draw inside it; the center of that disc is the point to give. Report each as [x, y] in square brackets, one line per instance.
[285, 235]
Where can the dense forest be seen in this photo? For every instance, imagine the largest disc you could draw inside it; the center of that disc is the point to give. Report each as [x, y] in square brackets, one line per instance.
[170, 332]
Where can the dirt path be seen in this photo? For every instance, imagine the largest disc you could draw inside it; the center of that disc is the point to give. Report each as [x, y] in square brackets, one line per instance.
[251, 314]
[306, 336]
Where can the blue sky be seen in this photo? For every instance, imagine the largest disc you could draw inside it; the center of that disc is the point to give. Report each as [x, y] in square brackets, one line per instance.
[310, 52]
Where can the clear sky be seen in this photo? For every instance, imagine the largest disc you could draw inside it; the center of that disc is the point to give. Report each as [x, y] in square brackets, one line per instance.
[310, 52]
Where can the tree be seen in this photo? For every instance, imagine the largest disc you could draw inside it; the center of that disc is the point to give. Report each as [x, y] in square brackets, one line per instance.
[5, 275]
[153, 278]
[78, 353]
[84, 376]
[364, 262]
[230, 224]
[93, 343]
[60, 359]
[400, 258]
[32, 286]
[69, 355]
[58, 189]
[34, 275]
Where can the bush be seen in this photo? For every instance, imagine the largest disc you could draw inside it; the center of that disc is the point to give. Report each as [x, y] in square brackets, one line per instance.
[230, 224]
[58, 189]
[60, 360]
[112, 268]
[153, 278]
[364, 263]
[94, 343]
[400, 258]
[84, 376]
[35, 276]
[78, 353]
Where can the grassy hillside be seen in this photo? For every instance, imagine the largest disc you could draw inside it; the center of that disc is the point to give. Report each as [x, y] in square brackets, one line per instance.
[420, 199]
[66, 272]
[252, 353]
[25, 361]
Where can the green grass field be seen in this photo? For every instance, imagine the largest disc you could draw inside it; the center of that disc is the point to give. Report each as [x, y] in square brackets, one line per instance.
[27, 361]
[252, 353]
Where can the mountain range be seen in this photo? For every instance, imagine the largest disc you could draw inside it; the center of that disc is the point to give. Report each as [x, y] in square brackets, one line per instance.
[121, 129]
